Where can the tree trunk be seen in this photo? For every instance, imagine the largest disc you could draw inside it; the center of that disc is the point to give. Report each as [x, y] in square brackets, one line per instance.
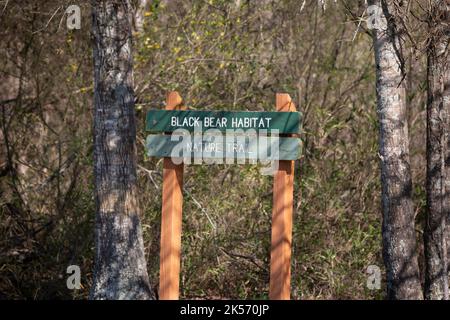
[139, 15]
[120, 268]
[446, 103]
[399, 237]
[436, 277]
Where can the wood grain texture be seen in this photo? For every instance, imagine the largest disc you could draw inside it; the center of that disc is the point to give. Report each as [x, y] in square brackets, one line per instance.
[171, 218]
[283, 198]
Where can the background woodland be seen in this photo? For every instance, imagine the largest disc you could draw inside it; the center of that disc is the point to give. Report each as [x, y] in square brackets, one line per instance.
[220, 55]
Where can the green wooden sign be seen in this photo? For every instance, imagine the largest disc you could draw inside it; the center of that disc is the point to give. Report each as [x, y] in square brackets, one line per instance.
[223, 147]
[211, 137]
[170, 120]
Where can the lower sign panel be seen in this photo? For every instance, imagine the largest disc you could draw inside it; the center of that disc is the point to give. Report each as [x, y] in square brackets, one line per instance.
[228, 147]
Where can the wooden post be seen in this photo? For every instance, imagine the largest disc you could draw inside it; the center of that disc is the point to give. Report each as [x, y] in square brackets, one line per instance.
[283, 199]
[172, 203]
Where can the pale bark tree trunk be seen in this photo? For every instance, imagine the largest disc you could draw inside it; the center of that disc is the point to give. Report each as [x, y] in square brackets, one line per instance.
[120, 268]
[399, 236]
[139, 15]
[436, 265]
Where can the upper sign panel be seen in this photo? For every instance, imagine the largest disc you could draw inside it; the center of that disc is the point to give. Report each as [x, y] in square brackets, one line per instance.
[170, 120]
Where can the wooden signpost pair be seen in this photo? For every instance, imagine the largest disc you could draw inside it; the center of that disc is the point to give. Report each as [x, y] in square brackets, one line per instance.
[287, 121]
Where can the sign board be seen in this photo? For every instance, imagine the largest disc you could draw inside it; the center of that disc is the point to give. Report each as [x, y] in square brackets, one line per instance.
[223, 147]
[191, 120]
[225, 135]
